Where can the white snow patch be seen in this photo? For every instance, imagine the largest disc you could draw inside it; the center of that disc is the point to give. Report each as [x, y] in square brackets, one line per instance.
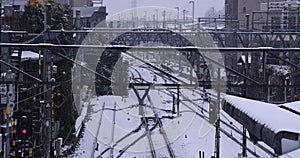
[272, 116]
[293, 105]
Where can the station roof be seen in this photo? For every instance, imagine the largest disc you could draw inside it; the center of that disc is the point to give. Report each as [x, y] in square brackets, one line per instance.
[30, 55]
[271, 115]
[293, 105]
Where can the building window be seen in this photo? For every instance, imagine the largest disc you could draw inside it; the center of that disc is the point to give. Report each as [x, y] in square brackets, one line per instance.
[244, 9]
[275, 23]
[292, 22]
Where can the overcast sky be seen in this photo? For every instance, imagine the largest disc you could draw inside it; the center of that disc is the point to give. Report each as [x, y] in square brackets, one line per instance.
[115, 6]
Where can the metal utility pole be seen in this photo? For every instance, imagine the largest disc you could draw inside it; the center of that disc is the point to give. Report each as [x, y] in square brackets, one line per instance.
[113, 130]
[134, 12]
[145, 19]
[7, 135]
[156, 11]
[164, 19]
[141, 98]
[217, 135]
[264, 75]
[0, 34]
[244, 148]
[48, 96]
[52, 108]
[268, 10]
[177, 18]
[244, 151]
[178, 101]
[10, 78]
[154, 21]
[95, 144]
[298, 17]
[247, 21]
[193, 10]
[46, 135]
[183, 11]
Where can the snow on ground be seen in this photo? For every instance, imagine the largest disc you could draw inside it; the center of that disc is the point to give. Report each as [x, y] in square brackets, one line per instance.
[199, 136]
[84, 150]
[293, 154]
[84, 144]
[189, 134]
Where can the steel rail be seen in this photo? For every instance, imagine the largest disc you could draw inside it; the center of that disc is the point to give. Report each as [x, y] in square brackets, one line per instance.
[258, 145]
[229, 135]
[121, 139]
[122, 151]
[97, 133]
[162, 130]
[154, 67]
[222, 130]
[148, 132]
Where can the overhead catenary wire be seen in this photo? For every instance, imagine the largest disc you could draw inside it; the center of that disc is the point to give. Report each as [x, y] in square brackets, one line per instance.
[162, 130]
[224, 131]
[122, 151]
[21, 71]
[229, 135]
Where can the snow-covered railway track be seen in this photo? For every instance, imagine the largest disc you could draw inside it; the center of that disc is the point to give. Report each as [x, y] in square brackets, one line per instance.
[162, 130]
[223, 130]
[144, 120]
[123, 150]
[148, 133]
[204, 113]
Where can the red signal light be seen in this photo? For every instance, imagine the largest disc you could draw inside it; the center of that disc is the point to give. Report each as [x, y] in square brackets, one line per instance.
[24, 131]
[211, 109]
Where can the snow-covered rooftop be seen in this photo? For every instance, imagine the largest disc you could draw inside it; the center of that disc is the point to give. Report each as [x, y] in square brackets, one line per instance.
[293, 105]
[29, 55]
[271, 115]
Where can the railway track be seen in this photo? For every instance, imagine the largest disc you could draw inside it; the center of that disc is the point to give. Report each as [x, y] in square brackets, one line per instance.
[149, 130]
[203, 116]
[97, 133]
[148, 133]
[237, 131]
[158, 124]
[162, 130]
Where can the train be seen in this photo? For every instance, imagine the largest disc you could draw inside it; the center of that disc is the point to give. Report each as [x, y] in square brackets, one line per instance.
[281, 140]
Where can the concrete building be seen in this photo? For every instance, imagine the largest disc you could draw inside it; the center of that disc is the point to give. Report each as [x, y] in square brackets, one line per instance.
[89, 16]
[260, 17]
[231, 14]
[261, 14]
[283, 15]
[81, 3]
[97, 3]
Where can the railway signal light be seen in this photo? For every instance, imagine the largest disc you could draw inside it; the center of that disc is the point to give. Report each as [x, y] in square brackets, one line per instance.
[24, 131]
[213, 112]
[24, 125]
